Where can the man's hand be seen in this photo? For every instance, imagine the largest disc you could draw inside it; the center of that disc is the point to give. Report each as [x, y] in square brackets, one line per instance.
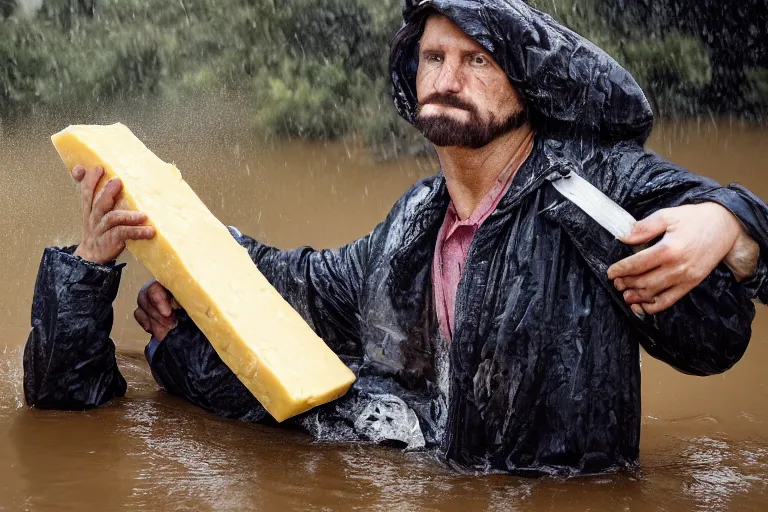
[696, 239]
[105, 229]
[155, 311]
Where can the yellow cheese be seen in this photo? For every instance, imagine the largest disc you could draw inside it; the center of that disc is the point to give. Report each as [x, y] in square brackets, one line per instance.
[265, 342]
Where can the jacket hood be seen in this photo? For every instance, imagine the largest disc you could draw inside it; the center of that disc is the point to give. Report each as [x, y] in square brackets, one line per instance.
[568, 83]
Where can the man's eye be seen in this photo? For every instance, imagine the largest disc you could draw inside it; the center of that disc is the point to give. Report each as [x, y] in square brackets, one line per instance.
[479, 60]
[433, 58]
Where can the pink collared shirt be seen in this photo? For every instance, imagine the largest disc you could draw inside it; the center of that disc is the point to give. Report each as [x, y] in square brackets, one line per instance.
[455, 237]
[452, 249]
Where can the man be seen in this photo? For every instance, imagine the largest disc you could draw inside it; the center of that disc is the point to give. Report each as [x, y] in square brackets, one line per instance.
[484, 317]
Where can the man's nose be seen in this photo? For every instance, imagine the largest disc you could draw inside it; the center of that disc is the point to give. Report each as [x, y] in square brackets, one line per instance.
[448, 80]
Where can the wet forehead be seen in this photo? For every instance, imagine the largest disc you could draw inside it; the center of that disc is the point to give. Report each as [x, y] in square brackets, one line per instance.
[440, 33]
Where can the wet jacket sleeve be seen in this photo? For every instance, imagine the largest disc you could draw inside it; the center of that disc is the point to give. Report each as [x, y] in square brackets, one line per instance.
[185, 364]
[707, 331]
[69, 359]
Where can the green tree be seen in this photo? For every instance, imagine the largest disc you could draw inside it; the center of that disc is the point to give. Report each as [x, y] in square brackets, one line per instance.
[7, 7]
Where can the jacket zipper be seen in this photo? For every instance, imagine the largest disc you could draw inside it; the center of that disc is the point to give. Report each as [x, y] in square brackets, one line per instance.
[448, 433]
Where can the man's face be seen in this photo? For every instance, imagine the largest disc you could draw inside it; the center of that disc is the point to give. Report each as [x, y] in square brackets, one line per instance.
[465, 99]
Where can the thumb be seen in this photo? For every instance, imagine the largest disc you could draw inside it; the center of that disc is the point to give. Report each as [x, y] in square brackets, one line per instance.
[647, 229]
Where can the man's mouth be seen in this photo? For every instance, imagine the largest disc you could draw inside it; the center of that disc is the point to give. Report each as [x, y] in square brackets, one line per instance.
[447, 106]
[436, 109]
[449, 101]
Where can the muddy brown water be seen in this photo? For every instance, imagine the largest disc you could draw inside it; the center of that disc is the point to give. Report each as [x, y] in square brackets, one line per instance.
[704, 440]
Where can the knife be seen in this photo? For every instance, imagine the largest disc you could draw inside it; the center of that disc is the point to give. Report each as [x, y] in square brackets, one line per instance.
[604, 210]
[594, 202]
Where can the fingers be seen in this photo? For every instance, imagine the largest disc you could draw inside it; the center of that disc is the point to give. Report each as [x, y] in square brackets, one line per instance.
[647, 229]
[639, 296]
[143, 320]
[652, 283]
[158, 298]
[142, 300]
[153, 311]
[695, 240]
[157, 329]
[88, 187]
[105, 201]
[160, 331]
[664, 301]
[647, 290]
[122, 233]
[116, 218]
[78, 173]
[637, 264]
[667, 299]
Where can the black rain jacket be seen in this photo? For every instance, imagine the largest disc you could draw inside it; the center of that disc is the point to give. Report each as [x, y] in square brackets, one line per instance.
[543, 373]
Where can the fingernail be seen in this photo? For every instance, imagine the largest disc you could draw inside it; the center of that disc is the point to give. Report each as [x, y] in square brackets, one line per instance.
[637, 308]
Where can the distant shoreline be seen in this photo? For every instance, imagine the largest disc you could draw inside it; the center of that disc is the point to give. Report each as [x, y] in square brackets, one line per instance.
[307, 69]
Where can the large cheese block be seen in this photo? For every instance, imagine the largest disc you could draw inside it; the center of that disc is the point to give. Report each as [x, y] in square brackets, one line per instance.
[265, 342]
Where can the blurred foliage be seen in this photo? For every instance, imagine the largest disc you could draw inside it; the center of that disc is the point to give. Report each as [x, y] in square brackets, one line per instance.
[757, 87]
[7, 7]
[673, 71]
[318, 68]
[732, 36]
[689, 56]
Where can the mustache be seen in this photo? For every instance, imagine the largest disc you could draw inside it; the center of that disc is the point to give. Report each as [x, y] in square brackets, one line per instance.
[448, 100]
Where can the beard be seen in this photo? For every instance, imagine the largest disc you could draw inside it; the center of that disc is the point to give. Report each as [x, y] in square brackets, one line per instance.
[443, 130]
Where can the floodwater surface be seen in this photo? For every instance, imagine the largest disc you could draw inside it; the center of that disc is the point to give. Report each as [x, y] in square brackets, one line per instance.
[704, 440]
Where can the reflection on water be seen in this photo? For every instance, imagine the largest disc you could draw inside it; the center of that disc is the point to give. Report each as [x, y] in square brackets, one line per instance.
[704, 441]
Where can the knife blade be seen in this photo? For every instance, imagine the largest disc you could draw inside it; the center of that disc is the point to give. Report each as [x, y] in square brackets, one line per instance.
[594, 203]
